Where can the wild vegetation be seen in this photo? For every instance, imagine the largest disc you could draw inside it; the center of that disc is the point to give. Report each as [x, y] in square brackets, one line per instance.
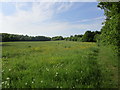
[66, 64]
[56, 64]
[87, 37]
[110, 32]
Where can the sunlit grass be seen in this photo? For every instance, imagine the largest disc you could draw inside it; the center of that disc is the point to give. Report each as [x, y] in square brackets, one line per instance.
[54, 64]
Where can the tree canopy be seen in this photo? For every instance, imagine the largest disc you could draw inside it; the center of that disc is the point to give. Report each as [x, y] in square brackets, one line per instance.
[14, 37]
[90, 36]
[110, 32]
[57, 38]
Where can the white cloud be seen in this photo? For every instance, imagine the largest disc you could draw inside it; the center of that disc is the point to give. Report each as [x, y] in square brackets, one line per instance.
[64, 7]
[31, 22]
[41, 11]
[92, 19]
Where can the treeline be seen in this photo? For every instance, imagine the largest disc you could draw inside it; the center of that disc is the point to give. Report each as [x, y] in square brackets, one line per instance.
[89, 36]
[74, 38]
[57, 38]
[14, 37]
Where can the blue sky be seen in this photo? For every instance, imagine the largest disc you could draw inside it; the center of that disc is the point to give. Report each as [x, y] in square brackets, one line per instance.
[50, 18]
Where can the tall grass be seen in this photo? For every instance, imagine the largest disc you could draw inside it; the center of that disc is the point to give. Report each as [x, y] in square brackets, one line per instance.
[108, 60]
[54, 64]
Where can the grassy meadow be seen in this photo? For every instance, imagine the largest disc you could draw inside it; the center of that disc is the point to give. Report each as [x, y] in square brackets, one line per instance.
[58, 64]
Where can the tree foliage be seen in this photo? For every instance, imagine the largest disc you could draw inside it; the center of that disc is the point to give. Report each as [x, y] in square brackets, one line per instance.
[110, 32]
[74, 38]
[57, 38]
[90, 36]
[14, 37]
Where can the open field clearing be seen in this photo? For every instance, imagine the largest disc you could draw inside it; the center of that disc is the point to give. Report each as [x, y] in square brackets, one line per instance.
[57, 64]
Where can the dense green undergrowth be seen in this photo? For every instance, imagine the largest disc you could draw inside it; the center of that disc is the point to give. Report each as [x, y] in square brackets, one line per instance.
[58, 64]
[108, 59]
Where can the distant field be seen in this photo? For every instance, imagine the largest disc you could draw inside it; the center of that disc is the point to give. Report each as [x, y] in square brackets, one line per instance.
[57, 64]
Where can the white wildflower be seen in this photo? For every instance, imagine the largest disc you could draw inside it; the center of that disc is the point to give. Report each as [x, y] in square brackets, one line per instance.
[41, 81]
[7, 78]
[8, 84]
[9, 69]
[47, 69]
[25, 83]
[56, 73]
[2, 82]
